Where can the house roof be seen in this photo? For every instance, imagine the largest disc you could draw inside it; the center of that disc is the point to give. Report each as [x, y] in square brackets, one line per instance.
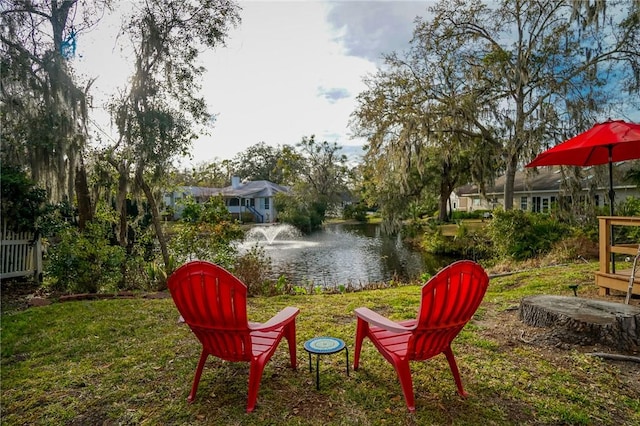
[253, 189]
[200, 191]
[551, 179]
[250, 189]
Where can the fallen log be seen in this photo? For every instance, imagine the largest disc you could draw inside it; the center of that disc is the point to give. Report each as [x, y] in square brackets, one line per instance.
[584, 321]
[615, 357]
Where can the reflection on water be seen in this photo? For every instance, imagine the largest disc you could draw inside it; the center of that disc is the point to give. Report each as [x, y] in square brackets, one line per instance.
[353, 254]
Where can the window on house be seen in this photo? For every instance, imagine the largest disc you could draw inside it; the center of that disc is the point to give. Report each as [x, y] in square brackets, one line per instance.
[545, 205]
[266, 204]
[536, 204]
[523, 203]
[233, 202]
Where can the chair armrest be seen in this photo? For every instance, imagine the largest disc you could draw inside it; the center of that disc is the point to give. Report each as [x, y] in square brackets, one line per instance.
[282, 318]
[376, 319]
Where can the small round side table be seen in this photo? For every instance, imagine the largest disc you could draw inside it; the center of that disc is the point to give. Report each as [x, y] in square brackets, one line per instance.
[324, 346]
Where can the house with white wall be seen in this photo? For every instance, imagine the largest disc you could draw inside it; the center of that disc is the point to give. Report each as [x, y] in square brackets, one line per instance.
[254, 199]
[538, 189]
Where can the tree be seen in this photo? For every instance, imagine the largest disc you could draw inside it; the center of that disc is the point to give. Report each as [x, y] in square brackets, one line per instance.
[44, 108]
[318, 175]
[551, 68]
[160, 113]
[258, 162]
[215, 174]
[481, 88]
[321, 170]
[421, 131]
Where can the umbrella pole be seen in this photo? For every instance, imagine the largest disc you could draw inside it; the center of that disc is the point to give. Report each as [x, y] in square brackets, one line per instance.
[612, 196]
[612, 193]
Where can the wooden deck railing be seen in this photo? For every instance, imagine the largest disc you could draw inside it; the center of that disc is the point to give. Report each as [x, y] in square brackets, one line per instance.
[609, 277]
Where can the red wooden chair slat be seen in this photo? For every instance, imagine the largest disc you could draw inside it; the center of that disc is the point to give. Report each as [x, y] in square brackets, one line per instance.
[448, 302]
[213, 303]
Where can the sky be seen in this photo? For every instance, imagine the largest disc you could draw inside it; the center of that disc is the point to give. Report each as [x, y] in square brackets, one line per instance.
[290, 69]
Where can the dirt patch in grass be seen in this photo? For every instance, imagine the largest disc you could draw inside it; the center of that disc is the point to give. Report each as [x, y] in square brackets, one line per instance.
[509, 332]
[15, 294]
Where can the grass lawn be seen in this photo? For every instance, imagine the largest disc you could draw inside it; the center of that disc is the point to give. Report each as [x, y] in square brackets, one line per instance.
[450, 229]
[129, 362]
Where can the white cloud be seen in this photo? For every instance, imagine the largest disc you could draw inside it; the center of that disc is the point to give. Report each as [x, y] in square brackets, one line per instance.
[289, 70]
[265, 85]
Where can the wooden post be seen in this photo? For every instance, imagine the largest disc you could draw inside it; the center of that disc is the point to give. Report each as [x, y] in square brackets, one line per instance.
[607, 277]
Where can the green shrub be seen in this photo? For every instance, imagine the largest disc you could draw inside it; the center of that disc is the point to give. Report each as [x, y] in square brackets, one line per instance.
[434, 242]
[22, 203]
[413, 229]
[355, 211]
[628, 234]
[305, 216]
[84, 262]
[476, 214]
[254, 269]
[467, 243]
[206, 232]
[523, 235]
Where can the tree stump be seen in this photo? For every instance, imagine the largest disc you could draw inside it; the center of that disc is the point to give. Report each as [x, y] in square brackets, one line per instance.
[585, 321]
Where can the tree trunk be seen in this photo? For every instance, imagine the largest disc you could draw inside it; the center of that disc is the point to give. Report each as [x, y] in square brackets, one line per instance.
[121, 204]
[83, 196]
[442, 209]
[445, 192]
[585, 321]
[157, 222]
[510, 177]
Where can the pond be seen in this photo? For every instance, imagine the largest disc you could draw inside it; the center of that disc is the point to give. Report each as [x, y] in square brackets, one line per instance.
[340, 254]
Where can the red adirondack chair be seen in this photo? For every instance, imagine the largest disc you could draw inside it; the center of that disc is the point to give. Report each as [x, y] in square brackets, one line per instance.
[449, 300]
[213, 303]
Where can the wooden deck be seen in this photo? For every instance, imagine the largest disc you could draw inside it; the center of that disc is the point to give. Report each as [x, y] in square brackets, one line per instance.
[608, 277]
[618, 281]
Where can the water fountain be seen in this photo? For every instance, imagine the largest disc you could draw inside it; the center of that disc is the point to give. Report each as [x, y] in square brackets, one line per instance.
[269, 234]
[335, 254]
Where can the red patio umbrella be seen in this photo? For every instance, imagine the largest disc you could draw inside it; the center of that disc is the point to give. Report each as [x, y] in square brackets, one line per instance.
[607, 142]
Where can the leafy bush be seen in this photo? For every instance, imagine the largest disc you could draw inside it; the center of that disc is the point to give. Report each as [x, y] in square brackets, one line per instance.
[254, 269]
[413, 229]
[305, 216]
[476, 214]
[576, 247]
[524, 235]
[355, 211]
[206, 233]
[22, 203]
[628, 234]
[84, 262]
[468, 244]
[434, 242]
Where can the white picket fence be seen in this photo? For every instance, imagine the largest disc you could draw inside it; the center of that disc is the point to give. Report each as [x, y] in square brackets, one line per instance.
[20, 255]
